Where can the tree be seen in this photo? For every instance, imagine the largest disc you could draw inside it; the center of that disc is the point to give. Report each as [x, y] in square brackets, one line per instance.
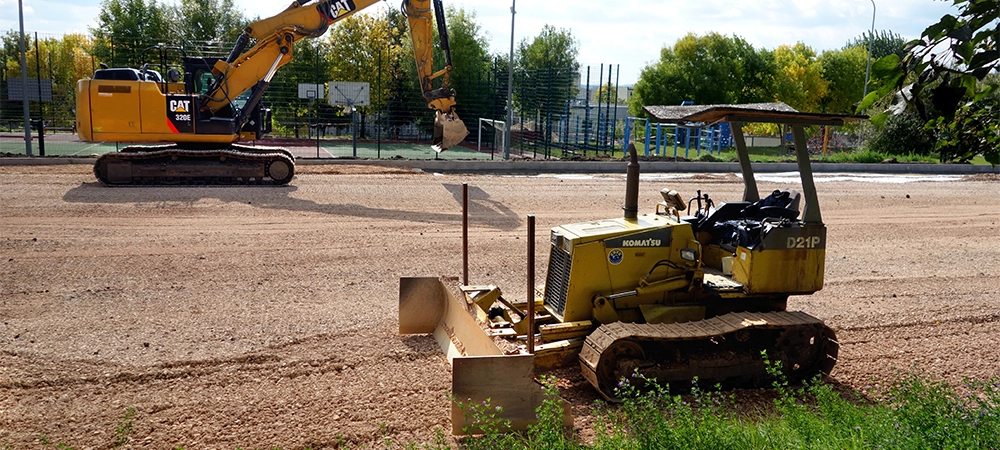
[948, 76]
[471, 61]
[880, 44]
[361, 47]
[206, 26]
[710, 69]
[550, 60]
[125, 28]
[369, 48]
[64, 61]
[602, 93]
[757, 71]
[845, 72]
[800, 81]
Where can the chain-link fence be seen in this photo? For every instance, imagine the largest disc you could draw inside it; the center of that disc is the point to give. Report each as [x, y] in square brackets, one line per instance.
[558, 112]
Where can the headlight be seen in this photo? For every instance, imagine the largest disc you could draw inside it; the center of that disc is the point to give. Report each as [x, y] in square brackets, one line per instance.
[689, 254]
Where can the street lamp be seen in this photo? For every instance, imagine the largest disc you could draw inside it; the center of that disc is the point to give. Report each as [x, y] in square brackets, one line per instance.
[510, 87]
[871, 41]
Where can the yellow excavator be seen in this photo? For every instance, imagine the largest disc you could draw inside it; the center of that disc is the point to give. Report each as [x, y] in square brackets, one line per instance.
[200, 112]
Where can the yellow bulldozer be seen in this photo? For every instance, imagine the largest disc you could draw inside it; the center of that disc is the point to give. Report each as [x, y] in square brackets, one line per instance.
[694, 289]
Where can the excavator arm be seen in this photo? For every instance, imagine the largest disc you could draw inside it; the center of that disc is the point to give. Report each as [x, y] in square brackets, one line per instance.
[274, 39]
[448, 128]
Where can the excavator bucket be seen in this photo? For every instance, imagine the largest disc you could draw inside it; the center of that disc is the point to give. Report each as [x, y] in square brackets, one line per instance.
[481, 371]
[449, 131]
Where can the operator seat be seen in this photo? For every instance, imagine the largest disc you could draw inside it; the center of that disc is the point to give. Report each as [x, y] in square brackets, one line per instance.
[781, 204]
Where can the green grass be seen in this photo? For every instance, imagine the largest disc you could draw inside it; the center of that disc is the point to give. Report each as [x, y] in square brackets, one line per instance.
[912, 412]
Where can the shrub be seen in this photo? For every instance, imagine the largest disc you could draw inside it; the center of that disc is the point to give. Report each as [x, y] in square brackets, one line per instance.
[902, 134]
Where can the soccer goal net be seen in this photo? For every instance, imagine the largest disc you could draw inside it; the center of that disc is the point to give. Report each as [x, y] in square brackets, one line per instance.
[499, 128]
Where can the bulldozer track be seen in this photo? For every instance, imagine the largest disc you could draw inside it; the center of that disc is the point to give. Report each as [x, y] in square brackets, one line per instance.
[724, 350]
[175, 165]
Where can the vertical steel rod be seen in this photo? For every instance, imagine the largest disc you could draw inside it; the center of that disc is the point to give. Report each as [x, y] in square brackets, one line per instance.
[465, 234]
[531, 283]
[24, 81]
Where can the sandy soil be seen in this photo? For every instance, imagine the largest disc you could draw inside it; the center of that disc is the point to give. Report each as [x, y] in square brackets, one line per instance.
[266, 317]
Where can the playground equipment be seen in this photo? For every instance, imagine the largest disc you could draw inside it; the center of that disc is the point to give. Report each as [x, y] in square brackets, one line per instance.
[659, 137]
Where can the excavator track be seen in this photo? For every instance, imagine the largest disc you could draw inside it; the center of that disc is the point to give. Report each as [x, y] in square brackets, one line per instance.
[175, 165]
[724, 349]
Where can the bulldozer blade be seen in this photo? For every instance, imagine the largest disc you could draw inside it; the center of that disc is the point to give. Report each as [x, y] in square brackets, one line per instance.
[449, 131]
[426, 306]
[481, 372]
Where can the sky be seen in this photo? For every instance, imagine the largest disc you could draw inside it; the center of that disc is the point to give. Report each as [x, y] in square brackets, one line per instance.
[626, 33]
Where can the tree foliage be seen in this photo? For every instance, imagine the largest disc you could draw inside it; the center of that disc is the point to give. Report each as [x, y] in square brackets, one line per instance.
[63, 60]
[549, 58]
[799, 81]
[880, 43]
[902, 135]
[205, 25]
[947, 76]
[364, 48]
[125, 28]
[471, 61]
[606, 91]
[845, 72]
[708, 69]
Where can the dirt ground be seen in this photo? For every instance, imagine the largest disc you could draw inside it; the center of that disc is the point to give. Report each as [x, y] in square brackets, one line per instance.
[266, 317]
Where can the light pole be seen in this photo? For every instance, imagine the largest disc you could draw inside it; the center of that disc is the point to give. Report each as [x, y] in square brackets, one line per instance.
[871, 41]
[510, 87]
[24, 82]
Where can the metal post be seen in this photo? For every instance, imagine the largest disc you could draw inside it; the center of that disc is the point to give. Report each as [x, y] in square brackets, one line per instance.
[465, 234]
[600, 99]
[24, 82]
[646, 143]
[41, 104]
[586, 116]
[607, 116]
[378, 124]
[354, 126]
[871, 40]
[659, 137]
[614, 121]
[531, 283]
[628, 129]
[750, 193]
[510, 87]
[315, 107]
[810, 211]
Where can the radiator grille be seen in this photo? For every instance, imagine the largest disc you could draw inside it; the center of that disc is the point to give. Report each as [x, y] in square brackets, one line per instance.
[557, 281]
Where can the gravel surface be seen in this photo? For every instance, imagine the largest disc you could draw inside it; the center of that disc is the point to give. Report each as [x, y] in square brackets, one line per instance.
[266, 317]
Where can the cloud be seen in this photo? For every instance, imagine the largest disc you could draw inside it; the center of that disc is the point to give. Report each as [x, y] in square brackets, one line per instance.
[629, 33]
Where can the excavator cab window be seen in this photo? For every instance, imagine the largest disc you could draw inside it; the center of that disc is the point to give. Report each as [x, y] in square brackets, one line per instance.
[239, 102]
[125, 74]
[202, 80]
[199, 71]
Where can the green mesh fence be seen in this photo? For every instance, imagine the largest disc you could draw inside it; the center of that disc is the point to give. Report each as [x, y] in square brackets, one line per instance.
[555, 113]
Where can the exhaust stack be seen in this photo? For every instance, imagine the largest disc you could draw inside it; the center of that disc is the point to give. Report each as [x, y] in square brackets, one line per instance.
[632, 185]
